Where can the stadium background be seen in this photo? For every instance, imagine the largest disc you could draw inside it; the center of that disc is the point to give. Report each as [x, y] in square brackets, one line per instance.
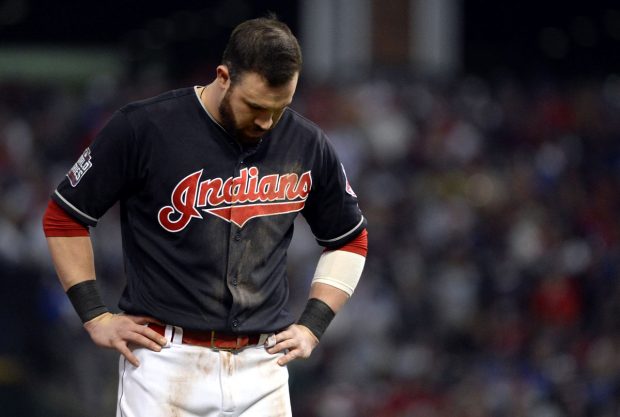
[482, 138]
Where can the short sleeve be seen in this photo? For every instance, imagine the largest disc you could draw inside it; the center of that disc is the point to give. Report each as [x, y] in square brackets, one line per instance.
[101, 174]
[332, 209]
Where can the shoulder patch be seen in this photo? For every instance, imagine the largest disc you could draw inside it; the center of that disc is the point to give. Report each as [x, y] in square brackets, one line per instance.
[348, 188]
[80, 168]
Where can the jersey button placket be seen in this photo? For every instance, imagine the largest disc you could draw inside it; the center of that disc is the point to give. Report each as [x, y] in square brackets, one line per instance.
[235, 252]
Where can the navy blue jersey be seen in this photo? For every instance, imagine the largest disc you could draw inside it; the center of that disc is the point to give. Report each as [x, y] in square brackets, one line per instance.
[206, 222]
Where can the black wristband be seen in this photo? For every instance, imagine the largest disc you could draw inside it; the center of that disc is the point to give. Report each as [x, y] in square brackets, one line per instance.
[316, 316]
[86, 300]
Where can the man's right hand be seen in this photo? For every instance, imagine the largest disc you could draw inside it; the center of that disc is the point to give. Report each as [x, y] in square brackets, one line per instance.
[117, 331]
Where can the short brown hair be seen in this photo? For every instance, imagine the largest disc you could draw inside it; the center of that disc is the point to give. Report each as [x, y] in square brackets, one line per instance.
[266, 46]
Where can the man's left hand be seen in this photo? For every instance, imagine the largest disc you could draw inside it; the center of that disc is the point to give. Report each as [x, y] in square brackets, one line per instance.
[298, 340]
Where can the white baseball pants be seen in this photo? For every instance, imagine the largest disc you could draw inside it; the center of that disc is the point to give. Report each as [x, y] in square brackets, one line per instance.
[192, 381]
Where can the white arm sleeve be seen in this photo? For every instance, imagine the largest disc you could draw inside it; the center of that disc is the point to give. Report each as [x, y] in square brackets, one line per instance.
[339, 268]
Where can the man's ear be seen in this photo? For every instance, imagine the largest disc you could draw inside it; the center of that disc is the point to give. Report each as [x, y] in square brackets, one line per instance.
[223, 76]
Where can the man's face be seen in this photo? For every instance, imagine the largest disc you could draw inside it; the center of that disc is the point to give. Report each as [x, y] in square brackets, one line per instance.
[251, 107]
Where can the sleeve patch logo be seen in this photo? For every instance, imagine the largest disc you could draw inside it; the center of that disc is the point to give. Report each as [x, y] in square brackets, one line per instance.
[348, 187]
[78, 170]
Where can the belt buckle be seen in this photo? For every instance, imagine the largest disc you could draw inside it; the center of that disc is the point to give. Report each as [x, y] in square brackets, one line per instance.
[226, 349]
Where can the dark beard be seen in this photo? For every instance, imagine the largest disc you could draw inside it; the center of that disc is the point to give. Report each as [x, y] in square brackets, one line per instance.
[230, 124]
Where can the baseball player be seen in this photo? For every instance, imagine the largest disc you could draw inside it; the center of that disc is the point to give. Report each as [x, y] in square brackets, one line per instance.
[210, 179]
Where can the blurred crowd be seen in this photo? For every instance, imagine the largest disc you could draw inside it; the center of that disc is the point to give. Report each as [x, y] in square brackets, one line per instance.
[491, 288]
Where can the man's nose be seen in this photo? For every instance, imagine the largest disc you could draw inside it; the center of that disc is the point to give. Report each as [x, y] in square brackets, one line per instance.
[264, 122]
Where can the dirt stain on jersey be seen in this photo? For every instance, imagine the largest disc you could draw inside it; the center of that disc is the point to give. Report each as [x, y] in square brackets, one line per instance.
[266, 232]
